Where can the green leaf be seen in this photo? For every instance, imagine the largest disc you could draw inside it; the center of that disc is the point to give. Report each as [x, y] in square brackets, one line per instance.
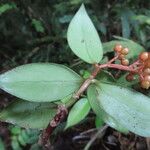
[78, 112]
[125, 24]
[38, 25]
[21, 140]
[15, 130]
[75, 2]
[65, 19]
[29, 114]
[40, 82]
[107, 118]
[6, 7]
[83, 38]
[2, 146]
[15, 144]
[143, 19]
[99, 122]
[135, 49]
[66, 99]
[128, 107]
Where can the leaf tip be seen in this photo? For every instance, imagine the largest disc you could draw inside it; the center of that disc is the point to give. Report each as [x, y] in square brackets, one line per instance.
[82, 8]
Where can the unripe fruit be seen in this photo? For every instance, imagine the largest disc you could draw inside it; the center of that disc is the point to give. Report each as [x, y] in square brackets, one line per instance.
[145, 84]
[143, 56]
[125, 62]
[146, 71]
[125, 51]
[130, 77]
[118, 47]
[121, 56]
[147, 78]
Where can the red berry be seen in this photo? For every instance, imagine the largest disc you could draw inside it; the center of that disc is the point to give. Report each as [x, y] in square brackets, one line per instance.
[147, 78]
[143, 56]
[146, 71]
[145, 84]
[147, 63]
[118, 47]
[125, 62]
[130, 77]
[125, 51]
[121, 56]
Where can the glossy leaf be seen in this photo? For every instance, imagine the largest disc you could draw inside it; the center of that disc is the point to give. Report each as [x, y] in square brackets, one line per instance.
[83, 38]
[78, 112]
[40, 82]
[129, 108]
[29, 114]
[107, 118]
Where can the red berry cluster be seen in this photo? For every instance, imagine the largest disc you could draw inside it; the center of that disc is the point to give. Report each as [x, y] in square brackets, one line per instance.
[140, 67]
[122, 52]
[144, 71]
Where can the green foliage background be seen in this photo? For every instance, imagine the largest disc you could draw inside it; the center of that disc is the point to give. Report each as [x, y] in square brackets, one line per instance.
[35, 30]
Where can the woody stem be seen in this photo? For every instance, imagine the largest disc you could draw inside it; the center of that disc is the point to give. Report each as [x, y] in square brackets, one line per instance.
[62, 109]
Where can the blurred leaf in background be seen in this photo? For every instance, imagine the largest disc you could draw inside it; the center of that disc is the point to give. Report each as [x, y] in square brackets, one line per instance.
[6, 7]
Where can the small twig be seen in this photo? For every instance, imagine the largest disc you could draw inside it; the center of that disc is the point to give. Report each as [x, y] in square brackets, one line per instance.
[117, 66]
[85, 135]
[112, 60]
[133, 144]
[26, 58]
[148, 143]
[99, 133]
[87, 82]
[137, 62]
[76, 64]
[93, 130]
[43, 40]
[31, 14]
[105, 146]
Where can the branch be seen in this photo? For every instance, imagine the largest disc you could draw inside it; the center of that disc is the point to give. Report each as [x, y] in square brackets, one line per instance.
[60, 115]
[117, 66]
[87, 82]
[112, 60]
[99, 133]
